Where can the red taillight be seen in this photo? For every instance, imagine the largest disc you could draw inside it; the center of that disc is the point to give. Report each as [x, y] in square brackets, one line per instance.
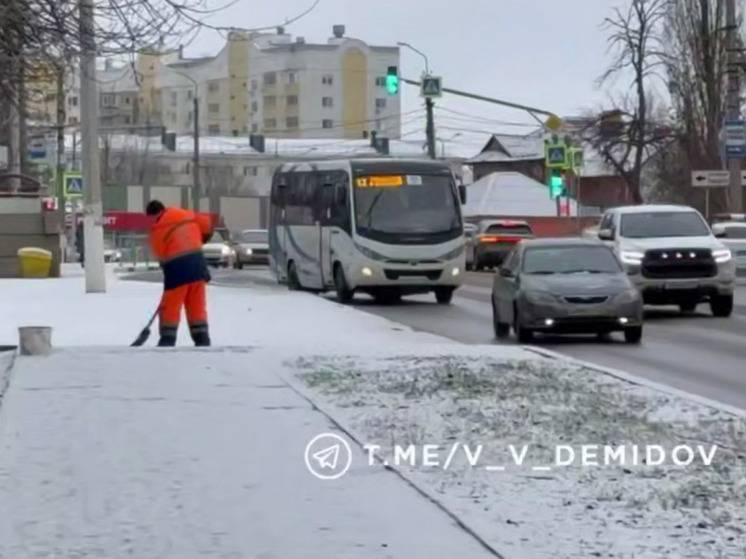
[499, 239]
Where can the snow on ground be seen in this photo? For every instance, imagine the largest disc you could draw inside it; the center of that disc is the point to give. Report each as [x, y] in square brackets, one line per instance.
[618, 511]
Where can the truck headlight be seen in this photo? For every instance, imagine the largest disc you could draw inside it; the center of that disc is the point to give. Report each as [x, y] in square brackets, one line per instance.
[722, 256]
[632, 257]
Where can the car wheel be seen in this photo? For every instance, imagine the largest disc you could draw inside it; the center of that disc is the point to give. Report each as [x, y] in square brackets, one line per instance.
[444, 295]
[688, 306]
[293, 280]
[344, 293]
[478, 266]
[633, 334]
[524, 335]
[239, 265]
[721, 305]
[502, 330]
[469, 266]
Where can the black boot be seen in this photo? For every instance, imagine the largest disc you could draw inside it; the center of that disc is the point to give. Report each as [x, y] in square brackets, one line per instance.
[168, 336]
[200, 334]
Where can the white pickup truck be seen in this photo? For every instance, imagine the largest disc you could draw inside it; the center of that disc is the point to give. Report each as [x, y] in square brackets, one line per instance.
[672, 256]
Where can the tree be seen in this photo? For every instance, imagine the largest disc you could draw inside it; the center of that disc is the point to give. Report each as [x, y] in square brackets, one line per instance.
[627, 135]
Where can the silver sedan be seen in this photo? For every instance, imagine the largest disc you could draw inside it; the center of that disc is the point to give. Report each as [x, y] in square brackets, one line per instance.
[565, 286]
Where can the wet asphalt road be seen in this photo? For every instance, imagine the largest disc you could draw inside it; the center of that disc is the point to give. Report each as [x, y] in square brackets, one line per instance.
[696, 352]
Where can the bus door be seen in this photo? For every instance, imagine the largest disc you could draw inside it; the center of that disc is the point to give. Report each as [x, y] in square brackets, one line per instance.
[335, 220]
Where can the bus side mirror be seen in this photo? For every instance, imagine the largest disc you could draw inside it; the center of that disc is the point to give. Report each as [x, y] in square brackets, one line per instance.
[462, 193]
[606, 234]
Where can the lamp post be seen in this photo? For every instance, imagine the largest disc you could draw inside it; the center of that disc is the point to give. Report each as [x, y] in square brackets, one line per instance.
[196, 187]
[430, 127]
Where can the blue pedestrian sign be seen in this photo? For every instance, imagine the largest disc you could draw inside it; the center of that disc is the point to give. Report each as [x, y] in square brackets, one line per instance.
[73, 185]
[734, 136]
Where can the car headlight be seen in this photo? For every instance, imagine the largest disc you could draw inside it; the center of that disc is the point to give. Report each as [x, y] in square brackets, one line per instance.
[632, 257]
[629, 296]
[722, 256]
[226, 251]
[540, 297]
[248, 252]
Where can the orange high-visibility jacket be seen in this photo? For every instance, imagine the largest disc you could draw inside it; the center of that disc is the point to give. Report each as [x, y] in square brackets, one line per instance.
[176, 239]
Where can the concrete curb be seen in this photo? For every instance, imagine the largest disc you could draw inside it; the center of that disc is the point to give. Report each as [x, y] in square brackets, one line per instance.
[634, 379]
[297, 386]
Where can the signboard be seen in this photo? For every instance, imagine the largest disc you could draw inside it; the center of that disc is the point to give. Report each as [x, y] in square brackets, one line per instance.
[734, 137]
[556, 155]
[710, 179]
[577, 159]
[431, 86]
[37, 149]
[73, 185]
[135, 221]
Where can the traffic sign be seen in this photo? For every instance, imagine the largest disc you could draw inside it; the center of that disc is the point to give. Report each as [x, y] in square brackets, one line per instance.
[710, 179]
[73, 185]
[734, 137]
[556, 156]
[431, 86]
[577, 159]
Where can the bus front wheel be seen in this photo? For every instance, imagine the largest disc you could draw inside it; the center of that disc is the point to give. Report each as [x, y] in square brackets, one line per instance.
[344, 293]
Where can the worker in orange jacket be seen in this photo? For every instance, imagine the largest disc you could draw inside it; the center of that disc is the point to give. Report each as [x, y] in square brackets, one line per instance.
[176, 239]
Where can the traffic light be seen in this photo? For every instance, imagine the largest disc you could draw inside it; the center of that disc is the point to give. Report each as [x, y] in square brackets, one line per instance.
[392, 80]
[556, 184]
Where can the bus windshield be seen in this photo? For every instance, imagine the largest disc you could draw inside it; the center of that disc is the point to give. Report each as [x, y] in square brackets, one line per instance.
[410, 208]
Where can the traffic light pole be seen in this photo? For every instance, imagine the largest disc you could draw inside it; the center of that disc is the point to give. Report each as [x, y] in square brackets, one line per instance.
[430, 129]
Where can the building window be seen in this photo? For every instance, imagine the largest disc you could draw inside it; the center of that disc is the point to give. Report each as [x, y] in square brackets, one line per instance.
[327, 102]
[213, 86]
[381, 81]
[107, 100]
[254, 85]
[213, 108]
[269, 101]
[380, 103]
[249, 171]
[126, 120]
[72, 120]
[327, 79]
[190, 116]
[73, 101]
[327, 123]
[292, 77]
[270, 78]
[270, 123]
[127, 100]
[190, 94]
[174, 98]
[213, 129]
[254, 106]
[291, 122]
[292, 100]
[254, 128]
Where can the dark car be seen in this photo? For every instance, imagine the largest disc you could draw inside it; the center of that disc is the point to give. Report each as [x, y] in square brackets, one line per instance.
[565, 286]
[494, 240]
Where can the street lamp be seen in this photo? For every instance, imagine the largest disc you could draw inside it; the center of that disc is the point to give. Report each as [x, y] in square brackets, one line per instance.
[422, 54]
[195, 163]
[444, 140]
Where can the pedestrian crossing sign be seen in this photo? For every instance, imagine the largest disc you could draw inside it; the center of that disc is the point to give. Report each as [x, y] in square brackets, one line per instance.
[556, 156]
[73, 185]
[431, 86]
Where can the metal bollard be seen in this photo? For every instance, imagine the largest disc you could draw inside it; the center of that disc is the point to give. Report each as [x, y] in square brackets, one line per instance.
[35, 340]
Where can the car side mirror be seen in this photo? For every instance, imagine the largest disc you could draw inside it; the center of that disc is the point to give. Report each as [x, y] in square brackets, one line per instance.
[720, 235]
[506, 273]
[606, 234]
[462, 193]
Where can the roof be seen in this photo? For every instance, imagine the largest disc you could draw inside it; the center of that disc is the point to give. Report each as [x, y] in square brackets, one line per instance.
[645, 208]
[507, 194]
[559, 242]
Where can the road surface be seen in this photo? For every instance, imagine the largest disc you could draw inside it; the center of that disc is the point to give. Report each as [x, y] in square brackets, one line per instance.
[695, 353]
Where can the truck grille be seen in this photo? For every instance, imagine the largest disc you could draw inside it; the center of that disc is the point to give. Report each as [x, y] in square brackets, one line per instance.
[432, 275]
[679, 264]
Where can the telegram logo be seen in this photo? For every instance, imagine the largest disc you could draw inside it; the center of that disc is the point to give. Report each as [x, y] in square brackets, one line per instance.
[328, 456]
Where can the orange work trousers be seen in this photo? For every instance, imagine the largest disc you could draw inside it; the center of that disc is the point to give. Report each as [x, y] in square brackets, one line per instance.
[193, 297]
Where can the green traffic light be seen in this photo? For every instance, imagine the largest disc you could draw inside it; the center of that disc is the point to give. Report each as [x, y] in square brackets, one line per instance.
[392, 80]
[556, 185]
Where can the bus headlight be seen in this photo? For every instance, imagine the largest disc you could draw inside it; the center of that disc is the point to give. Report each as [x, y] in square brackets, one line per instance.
[249, 252]
[455, 272]
[367, 272]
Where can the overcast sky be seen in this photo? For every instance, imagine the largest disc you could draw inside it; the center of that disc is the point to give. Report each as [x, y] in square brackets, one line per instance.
[544, 53]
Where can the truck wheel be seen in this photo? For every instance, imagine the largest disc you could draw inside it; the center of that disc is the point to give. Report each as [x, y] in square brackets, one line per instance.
[633, 334]
[688, 306]
[721, 305]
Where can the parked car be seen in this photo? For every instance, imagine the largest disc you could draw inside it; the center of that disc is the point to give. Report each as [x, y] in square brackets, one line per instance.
[493, 241]
[251, 247]
[564, 286]
[111, 252]
[733, 235]
[672, 256]
[218, 250]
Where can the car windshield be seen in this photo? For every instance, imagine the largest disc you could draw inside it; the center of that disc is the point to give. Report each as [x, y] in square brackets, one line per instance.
[570, 260]
[421, 204]
[663, 224]
[254, 237]
[217, 237]
[508, 229]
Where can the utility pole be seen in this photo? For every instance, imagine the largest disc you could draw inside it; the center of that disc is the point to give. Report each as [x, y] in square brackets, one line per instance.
[60, 170]
[93, 231]
[195, 167]
[733, 102]
[430, 129]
